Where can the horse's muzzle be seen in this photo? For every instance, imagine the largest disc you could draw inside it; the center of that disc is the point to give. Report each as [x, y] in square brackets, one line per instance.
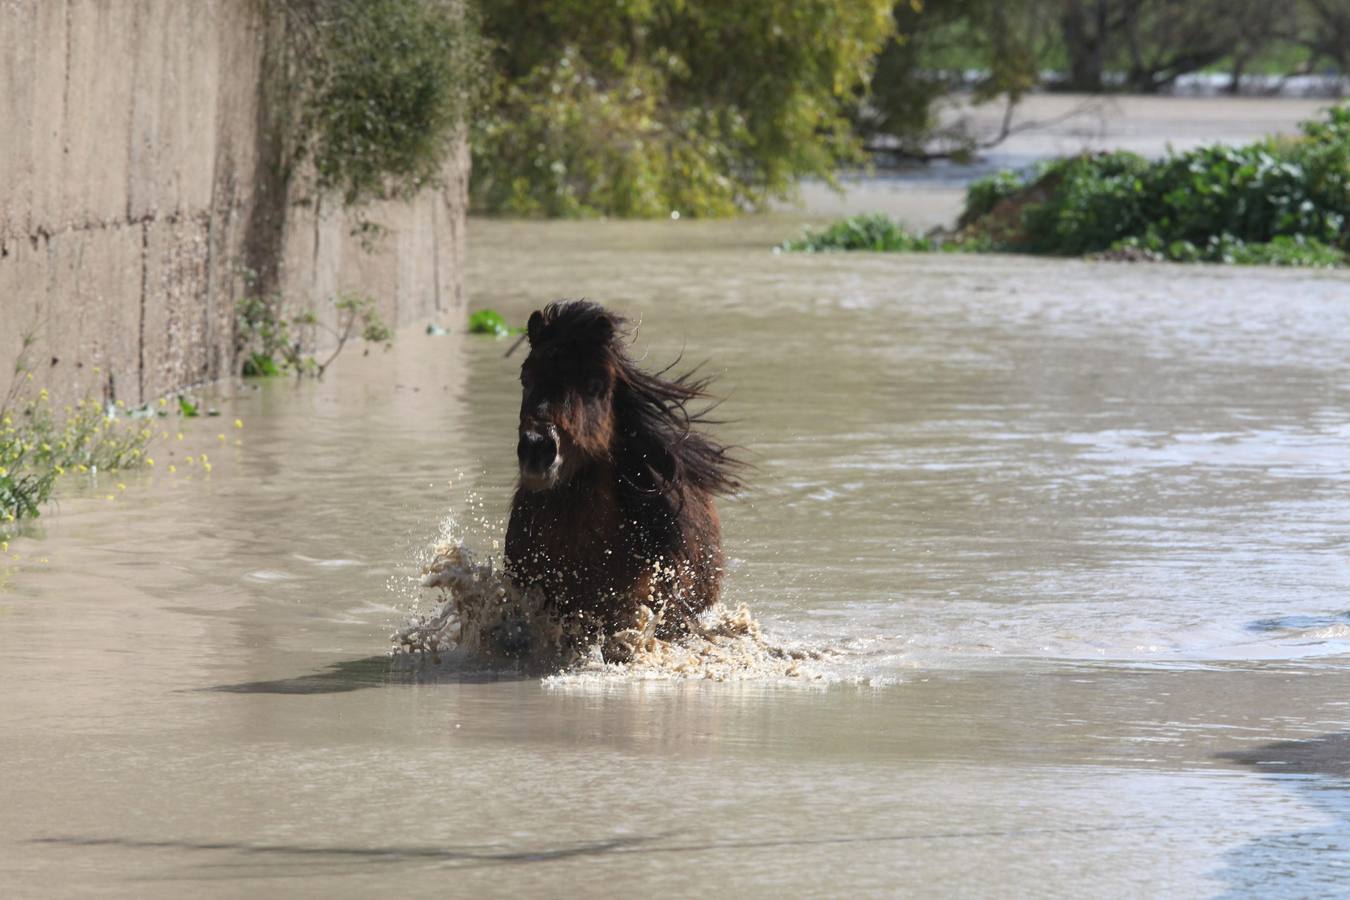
[539, 458]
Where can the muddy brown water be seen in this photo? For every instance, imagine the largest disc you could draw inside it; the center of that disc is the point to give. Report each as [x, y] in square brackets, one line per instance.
[1075, 534]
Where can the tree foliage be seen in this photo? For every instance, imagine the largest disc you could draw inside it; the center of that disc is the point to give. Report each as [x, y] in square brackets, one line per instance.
[930, 57]
[384, 88]
[644, 107]
[1148, 44]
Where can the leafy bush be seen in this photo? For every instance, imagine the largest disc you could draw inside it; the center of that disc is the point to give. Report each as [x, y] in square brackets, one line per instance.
[1283, 202]
[983, 194]
[1095, 201]
[385, 88]
[36, 447]
[1281, 251]
[866, 232]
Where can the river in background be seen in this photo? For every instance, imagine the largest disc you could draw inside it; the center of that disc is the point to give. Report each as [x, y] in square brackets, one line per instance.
[1074, 534]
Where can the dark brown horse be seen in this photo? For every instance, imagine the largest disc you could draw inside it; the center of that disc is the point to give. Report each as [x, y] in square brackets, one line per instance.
[615, 504]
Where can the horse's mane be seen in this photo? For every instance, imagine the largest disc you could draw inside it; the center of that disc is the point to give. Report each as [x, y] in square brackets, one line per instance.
[660, 444]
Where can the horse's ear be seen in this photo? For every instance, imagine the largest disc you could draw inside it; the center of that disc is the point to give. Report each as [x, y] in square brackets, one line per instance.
[534, 326]
[603, 329]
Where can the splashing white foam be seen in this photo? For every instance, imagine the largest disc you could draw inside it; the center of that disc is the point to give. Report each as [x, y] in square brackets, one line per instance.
[481, 615]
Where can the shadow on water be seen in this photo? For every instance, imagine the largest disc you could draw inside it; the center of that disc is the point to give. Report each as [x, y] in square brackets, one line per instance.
[297, 856]
[369, 672]
[297, 859]
[1310, 862]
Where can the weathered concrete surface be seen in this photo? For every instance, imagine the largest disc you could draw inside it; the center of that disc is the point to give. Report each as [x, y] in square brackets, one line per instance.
[135, 189]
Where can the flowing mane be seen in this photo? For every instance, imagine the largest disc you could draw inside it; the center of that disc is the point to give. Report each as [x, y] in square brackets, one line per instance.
[660, 448]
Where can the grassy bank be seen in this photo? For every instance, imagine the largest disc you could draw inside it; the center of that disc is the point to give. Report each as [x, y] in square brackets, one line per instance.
[1280, 201]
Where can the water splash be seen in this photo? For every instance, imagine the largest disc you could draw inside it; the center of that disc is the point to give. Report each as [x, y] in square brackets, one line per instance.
[481, 617]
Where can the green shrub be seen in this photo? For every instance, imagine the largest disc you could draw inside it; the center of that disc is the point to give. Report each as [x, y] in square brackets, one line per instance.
[1225, 248]
[385, 87]
[1283, 202]
[866, 232]
[1093, 202]
[36, 447]
[983, 194]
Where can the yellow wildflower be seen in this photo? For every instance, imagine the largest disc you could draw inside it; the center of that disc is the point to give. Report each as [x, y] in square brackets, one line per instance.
[172, 468]
[206, 466]
[238, 423]
[149, 460]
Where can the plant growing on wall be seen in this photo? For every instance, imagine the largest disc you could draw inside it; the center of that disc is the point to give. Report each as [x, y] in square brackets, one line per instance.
[381, 91]
[270, 343]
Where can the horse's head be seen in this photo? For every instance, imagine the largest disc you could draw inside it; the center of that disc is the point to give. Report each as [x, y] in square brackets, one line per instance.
[567, 402]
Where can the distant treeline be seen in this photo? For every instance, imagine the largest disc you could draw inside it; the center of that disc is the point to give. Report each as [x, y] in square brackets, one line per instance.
[707, 107]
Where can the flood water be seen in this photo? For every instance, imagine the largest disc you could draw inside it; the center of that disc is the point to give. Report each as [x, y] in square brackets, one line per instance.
[1074, 535]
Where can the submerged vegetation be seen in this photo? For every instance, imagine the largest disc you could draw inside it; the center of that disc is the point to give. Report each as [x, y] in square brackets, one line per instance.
[870, 231]
[1275, 202]
[37, 445]
[489, 321]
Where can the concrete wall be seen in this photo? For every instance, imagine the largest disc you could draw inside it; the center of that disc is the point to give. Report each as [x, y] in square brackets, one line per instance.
[134, 188]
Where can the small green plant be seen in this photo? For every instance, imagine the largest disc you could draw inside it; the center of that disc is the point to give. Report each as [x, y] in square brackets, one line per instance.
[270, 343]
[489, 321]
[37, 446]
[874, 232]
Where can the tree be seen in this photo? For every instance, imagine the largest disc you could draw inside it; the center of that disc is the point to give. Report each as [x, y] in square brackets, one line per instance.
[1323, 28]
[647, 107]
[937, 48]
[1151, 43]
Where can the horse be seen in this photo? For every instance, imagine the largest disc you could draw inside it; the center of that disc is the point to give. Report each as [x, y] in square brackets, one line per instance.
[614, 509]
